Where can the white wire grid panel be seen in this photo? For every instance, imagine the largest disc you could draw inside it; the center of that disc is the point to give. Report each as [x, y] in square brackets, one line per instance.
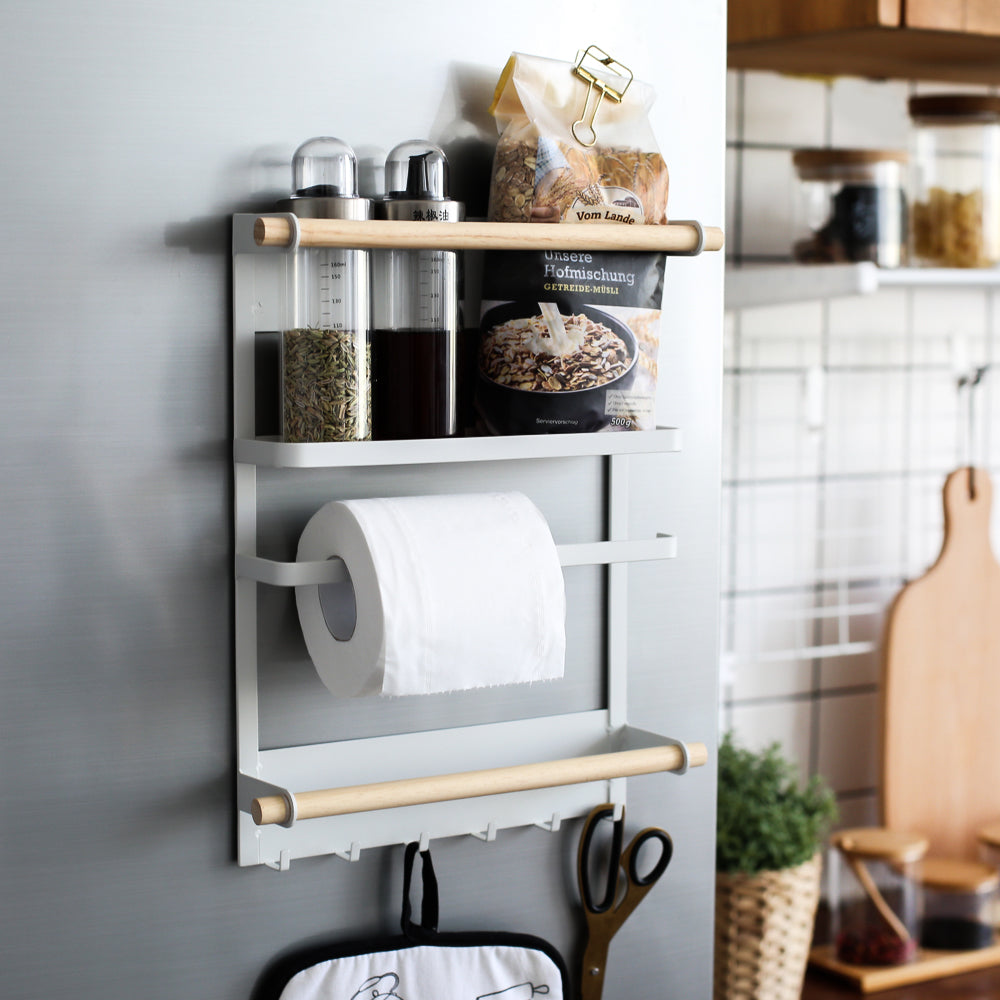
[841, 422]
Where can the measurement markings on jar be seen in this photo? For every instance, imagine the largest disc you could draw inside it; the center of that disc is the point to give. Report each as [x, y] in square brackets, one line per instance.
[331, 296]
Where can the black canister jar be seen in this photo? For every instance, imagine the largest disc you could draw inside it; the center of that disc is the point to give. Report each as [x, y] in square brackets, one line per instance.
[850, 206]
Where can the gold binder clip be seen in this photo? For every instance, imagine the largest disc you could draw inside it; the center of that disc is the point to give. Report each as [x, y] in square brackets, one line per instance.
[605, 75]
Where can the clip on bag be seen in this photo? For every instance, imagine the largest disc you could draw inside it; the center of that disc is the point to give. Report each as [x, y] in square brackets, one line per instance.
[421, 963]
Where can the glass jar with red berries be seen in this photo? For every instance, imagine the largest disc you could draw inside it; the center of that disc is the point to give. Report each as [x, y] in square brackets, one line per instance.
[875, 895]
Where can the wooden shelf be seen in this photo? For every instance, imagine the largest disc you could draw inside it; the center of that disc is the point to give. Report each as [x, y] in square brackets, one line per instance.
[956, 41]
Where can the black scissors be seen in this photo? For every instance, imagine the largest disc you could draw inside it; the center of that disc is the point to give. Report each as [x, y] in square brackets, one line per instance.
[605, 916]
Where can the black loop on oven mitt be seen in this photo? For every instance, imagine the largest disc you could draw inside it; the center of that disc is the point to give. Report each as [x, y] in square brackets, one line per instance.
[429, 902]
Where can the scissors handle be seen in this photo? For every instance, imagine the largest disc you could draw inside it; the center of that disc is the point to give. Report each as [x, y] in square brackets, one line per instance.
[583, 861]
[637, 885]
[603, 925]
[605, 917]
[630, 859]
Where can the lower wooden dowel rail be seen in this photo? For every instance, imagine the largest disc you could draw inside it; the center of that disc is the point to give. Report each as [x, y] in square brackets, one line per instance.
[270, 809]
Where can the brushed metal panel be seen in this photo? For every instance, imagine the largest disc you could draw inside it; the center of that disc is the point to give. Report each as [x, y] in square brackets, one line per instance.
[131, 133]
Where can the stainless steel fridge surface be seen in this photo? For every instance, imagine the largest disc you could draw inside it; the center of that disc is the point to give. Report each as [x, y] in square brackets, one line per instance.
[132, 133]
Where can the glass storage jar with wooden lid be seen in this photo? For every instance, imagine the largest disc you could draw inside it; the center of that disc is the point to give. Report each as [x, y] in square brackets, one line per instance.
[850, 206]
[955, 181]
[875, 896]
[959, 904]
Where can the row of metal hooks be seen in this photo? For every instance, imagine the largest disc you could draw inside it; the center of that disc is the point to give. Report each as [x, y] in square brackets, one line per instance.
[488, 835]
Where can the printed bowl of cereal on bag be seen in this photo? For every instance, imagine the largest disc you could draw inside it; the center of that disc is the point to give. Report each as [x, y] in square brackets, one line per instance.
[548, 367]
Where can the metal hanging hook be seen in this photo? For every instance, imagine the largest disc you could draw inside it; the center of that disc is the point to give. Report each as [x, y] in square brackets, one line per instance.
[970, 383]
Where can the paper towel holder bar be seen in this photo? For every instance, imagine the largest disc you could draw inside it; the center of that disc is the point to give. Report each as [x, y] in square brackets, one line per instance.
[283, 807]
[298, 574]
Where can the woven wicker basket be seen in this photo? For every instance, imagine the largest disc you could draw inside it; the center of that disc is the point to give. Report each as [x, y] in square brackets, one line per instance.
[763, 930]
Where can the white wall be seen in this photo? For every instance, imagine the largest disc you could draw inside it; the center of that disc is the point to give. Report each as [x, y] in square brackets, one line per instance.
[824, 523]
[131, 132]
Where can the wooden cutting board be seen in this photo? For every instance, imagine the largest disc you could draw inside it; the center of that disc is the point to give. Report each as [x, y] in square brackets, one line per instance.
[941, 741]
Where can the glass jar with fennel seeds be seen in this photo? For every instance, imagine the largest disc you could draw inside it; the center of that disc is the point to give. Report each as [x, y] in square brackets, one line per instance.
[325, 386]
[325, 349]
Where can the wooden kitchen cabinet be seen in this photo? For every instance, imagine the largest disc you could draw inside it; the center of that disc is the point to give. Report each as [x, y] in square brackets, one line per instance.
[982, 16]
[973, 16]
[947, 40]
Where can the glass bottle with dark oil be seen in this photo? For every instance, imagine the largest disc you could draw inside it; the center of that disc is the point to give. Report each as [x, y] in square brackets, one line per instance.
[415, 306]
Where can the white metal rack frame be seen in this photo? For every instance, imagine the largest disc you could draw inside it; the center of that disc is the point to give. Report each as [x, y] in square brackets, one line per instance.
[390, 789]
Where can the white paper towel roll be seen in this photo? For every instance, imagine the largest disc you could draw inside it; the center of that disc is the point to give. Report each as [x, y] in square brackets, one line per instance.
[446, 593]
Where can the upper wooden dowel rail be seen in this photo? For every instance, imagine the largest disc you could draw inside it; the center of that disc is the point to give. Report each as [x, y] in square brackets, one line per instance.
[381, 234]
[469, 784]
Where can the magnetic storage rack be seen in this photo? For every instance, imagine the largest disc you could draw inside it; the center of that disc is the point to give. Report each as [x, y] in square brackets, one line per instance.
[337, 798]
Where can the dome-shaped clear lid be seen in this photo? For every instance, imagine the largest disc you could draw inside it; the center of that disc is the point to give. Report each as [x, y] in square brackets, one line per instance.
[417, 170]
[325, 167]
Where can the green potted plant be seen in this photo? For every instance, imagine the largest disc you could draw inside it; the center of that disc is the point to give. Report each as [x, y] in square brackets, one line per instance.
[769, 831]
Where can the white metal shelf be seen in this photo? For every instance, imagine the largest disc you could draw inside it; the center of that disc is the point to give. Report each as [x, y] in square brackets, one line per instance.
[778, 284]
[520, 772]
[269, 451]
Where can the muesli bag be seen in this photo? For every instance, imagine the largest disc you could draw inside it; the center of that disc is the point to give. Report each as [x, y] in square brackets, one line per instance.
[421, 963]
[599, 372]
[569, 340]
